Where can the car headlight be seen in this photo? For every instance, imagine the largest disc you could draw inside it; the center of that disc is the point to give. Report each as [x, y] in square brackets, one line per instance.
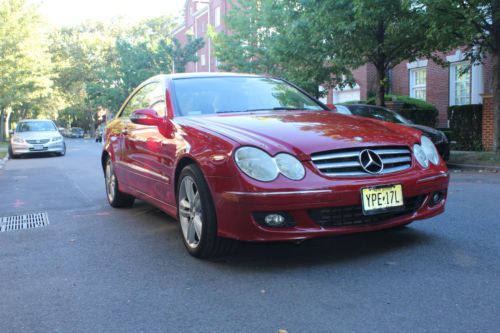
[289, 166]
[260, 165]
[430, 150]
[56, 138]
[17, 139]
[256, 163]
[420, 155]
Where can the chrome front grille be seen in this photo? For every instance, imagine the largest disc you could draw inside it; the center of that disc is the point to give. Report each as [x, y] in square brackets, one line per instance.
[346, 162]
[38, 141]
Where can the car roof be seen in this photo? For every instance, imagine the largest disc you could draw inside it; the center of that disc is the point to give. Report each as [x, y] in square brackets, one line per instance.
[28, 120]
[168, 77]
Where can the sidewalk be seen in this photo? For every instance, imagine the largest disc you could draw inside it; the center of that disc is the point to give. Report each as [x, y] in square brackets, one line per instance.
[3, 154]
[474, 160]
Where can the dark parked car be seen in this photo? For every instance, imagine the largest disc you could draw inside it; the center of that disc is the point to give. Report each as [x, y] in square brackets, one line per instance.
[380, 113]
[76, 132]
[252, 158]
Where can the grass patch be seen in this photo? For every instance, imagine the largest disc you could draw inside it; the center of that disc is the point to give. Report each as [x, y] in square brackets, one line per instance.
[3, 149]
[475, 157]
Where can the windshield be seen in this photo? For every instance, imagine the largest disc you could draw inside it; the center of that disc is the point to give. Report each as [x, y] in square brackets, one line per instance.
[210, 95]
[35, 126]
[378, 113]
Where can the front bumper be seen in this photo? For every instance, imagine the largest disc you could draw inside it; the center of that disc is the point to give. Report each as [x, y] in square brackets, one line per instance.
[27, 148]
[236, 210]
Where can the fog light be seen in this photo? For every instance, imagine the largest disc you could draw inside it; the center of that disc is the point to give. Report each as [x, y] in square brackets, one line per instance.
[436, 198]
[274, 219]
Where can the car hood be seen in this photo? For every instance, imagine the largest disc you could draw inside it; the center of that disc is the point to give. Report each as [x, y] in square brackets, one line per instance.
[37, 135]
[304, 132]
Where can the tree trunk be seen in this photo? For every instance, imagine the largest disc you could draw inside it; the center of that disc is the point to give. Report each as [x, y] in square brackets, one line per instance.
[380, 94]
[495, 89]
[2, 125]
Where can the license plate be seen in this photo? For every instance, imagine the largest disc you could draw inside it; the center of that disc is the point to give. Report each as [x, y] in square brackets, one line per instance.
[382, 199]
[37, 147]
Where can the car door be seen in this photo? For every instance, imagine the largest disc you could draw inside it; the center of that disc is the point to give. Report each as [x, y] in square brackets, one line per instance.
[146, 143]
[128, 149]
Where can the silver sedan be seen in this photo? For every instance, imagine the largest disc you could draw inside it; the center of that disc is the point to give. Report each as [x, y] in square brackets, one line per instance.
[36, 136]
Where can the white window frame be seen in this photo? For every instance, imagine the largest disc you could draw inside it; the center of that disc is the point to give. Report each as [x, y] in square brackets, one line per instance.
[217, 16]
[453, 83]
[203, 60]
[414, 86]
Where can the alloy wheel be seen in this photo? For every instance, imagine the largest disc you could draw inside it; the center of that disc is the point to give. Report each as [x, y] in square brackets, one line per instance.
[190, 212]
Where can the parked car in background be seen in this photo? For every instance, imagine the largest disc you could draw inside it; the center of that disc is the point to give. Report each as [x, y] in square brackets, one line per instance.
[252, 158]
[36, 136]
[76, 132]
[381, 113]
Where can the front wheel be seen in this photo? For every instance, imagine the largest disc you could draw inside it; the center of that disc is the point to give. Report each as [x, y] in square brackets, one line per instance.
[197, 218]
[116, 198]
[63, 151]
[11, 153]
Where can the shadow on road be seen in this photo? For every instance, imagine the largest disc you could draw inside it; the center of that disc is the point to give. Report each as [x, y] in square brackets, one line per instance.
[277, 255]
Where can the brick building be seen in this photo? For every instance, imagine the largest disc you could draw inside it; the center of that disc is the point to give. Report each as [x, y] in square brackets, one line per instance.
[424, 79]
[198, 15]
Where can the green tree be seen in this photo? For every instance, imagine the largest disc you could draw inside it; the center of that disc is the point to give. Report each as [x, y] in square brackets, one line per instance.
[378, 32]
[475, 26]
[276, 37]
[24, 62]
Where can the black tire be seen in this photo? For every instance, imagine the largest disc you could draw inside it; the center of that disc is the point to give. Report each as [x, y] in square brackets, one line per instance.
[11, 153]
[63, 151]
[116, 198]
[209, 244]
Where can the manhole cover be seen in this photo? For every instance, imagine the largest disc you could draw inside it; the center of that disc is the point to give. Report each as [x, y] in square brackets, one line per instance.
[26, 221]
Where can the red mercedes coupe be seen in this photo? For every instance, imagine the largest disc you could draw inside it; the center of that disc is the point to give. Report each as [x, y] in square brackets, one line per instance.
[239, 157]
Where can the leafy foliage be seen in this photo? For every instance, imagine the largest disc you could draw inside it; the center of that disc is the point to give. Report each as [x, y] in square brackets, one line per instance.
[466, 123]
[25, 81]
[271, 37]
[473, 25]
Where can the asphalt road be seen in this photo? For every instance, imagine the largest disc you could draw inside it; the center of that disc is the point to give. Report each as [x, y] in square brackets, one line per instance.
[98, 269]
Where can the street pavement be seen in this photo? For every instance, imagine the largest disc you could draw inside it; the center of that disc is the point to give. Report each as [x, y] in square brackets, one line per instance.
[99, 269]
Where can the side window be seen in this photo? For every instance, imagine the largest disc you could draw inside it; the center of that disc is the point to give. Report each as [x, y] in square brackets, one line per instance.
[157, 100]
[141, 100]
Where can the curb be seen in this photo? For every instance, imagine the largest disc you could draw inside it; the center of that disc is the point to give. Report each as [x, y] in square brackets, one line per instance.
[3, 161]
[474, 167]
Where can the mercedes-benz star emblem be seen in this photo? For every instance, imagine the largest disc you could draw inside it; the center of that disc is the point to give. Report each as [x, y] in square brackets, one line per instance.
[370, 161]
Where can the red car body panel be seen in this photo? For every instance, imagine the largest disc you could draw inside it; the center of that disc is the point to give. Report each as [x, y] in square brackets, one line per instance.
[148, 159]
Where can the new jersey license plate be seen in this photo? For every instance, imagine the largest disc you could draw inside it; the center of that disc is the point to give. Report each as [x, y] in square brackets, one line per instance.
[382, 199]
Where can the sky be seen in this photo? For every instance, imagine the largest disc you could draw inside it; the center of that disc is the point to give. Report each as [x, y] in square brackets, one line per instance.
[70, 12]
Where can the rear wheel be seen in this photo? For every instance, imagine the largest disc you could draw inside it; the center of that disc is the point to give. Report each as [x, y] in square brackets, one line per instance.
[197, 218]
[116, 198]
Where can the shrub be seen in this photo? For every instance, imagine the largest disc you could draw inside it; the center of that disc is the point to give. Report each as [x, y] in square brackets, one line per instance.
[466, 122]
[418, 111]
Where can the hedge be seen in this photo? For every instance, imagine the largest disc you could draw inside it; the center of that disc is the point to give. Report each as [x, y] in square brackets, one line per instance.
[418, 111]
[466, 122]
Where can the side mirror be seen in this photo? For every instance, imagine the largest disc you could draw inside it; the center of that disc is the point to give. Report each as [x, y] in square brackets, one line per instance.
[145, 117]
[332, 107]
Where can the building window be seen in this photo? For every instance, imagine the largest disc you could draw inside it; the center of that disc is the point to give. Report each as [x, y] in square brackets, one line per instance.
[461, 83]
[418, 83]
[202, 60]
[217, 16]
